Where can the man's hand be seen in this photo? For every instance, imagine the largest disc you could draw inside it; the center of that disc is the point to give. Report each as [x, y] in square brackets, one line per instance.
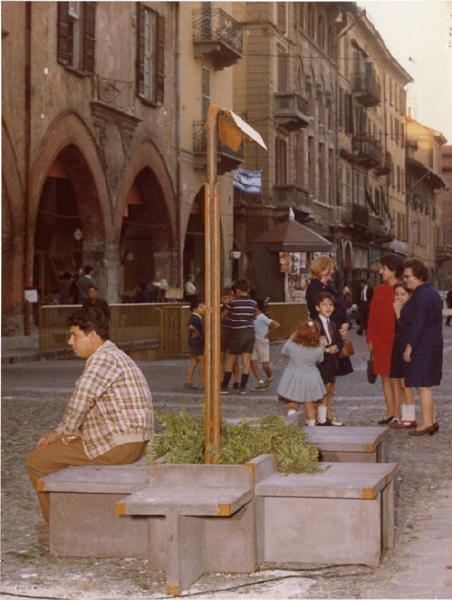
[407, 354]
[48, 438]
[333, 349]
[370, 346]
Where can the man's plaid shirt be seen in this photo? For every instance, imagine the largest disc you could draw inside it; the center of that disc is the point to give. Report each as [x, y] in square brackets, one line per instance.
[111, 403]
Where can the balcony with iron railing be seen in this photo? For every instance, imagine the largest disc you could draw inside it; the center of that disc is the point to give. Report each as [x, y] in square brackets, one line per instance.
[443, 252]
[293, 196]
[365, 87]
[366, 151]
[227, 159]
[291, 111]
[217, 35]
[385, 167]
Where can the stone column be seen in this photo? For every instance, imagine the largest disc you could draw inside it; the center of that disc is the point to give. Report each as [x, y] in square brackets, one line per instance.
[112, 271]
[94, 255]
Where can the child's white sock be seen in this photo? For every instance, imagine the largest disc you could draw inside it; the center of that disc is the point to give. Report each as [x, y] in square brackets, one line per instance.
[408, 412]
[321, 414]
[310, 422]
[292, 411]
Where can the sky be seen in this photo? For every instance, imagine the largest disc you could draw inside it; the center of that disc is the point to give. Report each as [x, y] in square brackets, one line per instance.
[419, 36]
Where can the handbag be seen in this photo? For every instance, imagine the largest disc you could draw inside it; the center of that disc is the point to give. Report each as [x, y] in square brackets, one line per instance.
[371, 377]
[347, 349]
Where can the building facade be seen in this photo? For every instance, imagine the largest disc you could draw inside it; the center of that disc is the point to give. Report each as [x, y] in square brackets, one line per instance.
[424, 202]
[371, 113]
[210, 43]
[89, 146]
[286, 86]
[444, 250]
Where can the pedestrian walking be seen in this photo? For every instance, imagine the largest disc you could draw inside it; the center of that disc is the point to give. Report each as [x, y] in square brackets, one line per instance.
[190, 289]
[381, 334]
[109, 417]
[422, 341]
[408, 409]
[84, 281]
[301, 382]
[332, 343]
[242, 312]
[364, 306]
[66, 288]
[225, 336]
[93, 301]
[261, 351]
[196, 343]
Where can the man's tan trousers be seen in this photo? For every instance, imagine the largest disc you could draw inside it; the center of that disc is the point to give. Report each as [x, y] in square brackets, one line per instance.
[57, 456]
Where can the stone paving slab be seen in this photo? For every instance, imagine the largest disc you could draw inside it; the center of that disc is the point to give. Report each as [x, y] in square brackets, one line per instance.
[417, 567]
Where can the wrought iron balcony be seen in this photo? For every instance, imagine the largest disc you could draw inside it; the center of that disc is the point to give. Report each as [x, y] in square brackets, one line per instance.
[217, 35]
[366, 151]
[228, 160]
[115, 94]
[443, 252]
[365, 88]
[385, 167]
[351, 215]
[399, 247]
[293, 196]
[291, 111]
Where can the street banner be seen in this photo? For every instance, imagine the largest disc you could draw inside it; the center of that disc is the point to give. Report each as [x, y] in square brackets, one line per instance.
[248, 181]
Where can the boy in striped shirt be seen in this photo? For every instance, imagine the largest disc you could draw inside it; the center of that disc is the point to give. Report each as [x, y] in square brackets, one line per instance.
[241, 313]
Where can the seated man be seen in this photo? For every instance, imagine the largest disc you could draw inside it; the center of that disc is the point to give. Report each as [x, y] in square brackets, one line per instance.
[108, 419]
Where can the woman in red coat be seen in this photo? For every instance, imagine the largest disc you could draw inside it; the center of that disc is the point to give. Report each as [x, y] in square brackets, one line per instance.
[381, 333]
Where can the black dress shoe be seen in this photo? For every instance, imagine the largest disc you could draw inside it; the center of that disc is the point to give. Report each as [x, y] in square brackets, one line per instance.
[427, 431]
[435, 426]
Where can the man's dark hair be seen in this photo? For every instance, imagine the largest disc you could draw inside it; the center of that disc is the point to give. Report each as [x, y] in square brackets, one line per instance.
[417, 267]
[394, 263]
[324, 296]
[88, 269]
[261, 305]
[90, 319]
[92, 287]
[243, 284]
[195, 303]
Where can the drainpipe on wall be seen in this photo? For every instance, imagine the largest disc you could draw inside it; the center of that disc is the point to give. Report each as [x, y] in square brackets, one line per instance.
[28, 238]
[180, 259]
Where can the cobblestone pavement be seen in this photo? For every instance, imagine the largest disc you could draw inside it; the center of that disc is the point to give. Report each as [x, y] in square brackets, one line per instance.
[419, 566]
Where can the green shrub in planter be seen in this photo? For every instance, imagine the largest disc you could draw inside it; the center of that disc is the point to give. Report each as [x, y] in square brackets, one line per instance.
[182, 442]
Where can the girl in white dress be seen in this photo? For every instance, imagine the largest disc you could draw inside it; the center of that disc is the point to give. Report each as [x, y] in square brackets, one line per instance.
[301, 382]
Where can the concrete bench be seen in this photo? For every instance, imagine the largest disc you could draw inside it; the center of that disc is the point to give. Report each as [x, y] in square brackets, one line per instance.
[348, 444]
[342, 515]
[83, 521]
[201, 519]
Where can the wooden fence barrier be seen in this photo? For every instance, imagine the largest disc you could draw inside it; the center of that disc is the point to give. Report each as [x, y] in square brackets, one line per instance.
[136, 326]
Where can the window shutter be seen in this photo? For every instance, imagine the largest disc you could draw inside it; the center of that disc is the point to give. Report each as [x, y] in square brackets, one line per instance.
[160, 75]
[140, 50]
[89, 34]
[64, 51]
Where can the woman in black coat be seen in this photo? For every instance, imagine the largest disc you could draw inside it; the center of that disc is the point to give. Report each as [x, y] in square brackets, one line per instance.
[422, 341]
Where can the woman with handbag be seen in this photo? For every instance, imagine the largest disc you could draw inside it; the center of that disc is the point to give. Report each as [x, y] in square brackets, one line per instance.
[381, 334]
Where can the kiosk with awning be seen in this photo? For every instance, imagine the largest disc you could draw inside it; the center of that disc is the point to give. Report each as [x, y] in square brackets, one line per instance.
[282, 256]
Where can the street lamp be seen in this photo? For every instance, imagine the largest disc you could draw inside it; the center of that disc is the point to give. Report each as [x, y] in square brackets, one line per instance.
[229, 128]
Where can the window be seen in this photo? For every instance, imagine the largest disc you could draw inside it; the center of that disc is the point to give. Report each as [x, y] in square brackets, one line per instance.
[150, 55]
[321, 32]
[281, 16]
[280, 161]
[348, 187]
[283, 70]
[76, 35]
[205, 93]
[397, 130]
[311, 165]
[298, 159]
[311, 19]
[398, 179]
[322, 172]
[332, 173]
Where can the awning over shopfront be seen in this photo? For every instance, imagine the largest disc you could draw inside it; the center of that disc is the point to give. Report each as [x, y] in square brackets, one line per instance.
[291, 236]
[431, 177]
